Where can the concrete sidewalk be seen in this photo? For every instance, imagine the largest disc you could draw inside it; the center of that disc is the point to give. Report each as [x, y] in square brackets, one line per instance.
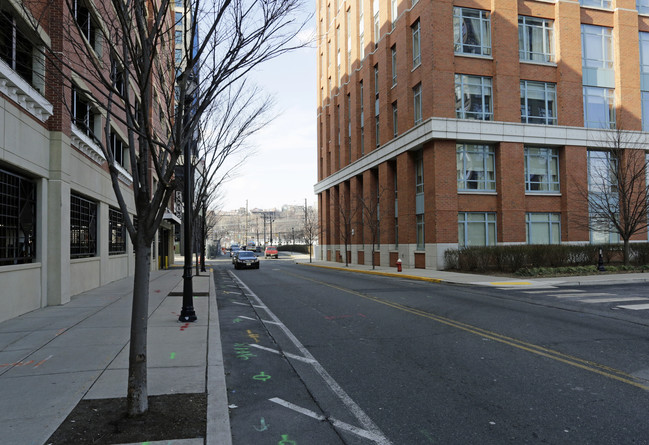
[52, 358]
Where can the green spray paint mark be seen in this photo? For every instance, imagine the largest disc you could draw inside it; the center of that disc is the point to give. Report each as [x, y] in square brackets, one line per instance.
[172, 356]
[261, 376]
[285, 441]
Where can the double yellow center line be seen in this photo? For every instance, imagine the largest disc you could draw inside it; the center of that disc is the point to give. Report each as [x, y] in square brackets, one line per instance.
[576, 362]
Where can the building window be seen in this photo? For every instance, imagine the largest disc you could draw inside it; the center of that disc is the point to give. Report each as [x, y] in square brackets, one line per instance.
[83, 115]
[606, 4]
[476, 167]
[17, 219]
[349, 126]
[117, 75]
[416, 93]
[395, 121]
[83, 227]
[86, 23]
[644, 76]
[361, 30]
[541, 169]
[535, 39]
[348, 29]
[473, 97]
[16, 49]
[117, 147]
[643, 6]
[538, 102]
[597, 47]
[645, 110]
[599, 107]
[416, 44]
[394, 64]
[116, 232]
[394, 12]
[377, 27]
[543, 228]
[377, 135]
[602, 172]
[419, 175]
[421, 242]
[419, 198]
[471, 31]
[362, 117]
[603, 196]
[376, 102]
[476, 229]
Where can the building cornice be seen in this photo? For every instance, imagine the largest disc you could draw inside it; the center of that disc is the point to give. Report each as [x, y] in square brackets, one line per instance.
[483, 132]
[17, 89]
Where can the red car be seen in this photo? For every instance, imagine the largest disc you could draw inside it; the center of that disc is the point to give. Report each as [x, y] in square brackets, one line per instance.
[271, 251]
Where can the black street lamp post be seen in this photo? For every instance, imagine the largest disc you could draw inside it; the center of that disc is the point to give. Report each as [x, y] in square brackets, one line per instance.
[187, 313]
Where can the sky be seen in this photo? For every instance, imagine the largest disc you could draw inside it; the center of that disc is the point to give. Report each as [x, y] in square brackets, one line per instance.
[283, 168]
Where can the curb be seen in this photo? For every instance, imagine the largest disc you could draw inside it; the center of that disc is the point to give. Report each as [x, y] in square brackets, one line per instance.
[218, 417]
[376, 272]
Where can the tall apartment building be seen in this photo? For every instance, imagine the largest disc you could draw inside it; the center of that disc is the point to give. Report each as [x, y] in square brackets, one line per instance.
[61, 229]
[469, 122]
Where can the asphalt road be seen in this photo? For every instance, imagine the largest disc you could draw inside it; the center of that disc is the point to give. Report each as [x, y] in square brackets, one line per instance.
[316, 356]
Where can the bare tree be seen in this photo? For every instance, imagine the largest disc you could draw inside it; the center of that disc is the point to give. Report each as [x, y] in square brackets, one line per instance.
[311, 228]
[370, 207]
[347, 212]
[155, 76]
[617, 194]
[229, 122]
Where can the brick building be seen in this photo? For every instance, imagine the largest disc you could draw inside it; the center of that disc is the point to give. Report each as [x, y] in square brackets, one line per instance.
[61, 229]
[453, 123]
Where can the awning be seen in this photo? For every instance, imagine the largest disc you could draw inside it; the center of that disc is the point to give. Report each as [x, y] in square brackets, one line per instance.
[168, 215]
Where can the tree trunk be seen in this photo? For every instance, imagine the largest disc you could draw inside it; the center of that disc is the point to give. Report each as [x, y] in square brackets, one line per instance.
[137, 394]
[627, 252]
[203, 248]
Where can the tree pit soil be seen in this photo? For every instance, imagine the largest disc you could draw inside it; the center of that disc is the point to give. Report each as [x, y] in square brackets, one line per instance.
[105, 421]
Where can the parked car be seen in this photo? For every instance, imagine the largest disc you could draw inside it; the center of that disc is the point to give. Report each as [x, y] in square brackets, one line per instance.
[244, 259]
[271, 251]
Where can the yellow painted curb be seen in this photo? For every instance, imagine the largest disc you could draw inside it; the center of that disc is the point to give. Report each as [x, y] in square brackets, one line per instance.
[375, 272]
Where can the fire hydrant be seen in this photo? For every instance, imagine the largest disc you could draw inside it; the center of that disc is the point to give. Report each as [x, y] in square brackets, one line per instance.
[399, 265]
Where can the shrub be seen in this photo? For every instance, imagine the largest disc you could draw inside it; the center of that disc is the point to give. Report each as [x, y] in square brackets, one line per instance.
[510, 259]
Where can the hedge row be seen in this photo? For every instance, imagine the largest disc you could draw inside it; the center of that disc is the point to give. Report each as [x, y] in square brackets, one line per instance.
[510, 259]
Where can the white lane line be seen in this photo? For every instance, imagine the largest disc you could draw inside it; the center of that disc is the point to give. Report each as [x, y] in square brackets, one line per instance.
[353, 407]
[635, 307]
[335, 422]
[287, 354]
[254, 319]
[246, 304]
[565, 291]
[612, 300]
[576, 295]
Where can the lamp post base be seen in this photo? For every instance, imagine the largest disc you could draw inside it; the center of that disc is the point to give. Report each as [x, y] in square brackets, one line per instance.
[187, 314]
